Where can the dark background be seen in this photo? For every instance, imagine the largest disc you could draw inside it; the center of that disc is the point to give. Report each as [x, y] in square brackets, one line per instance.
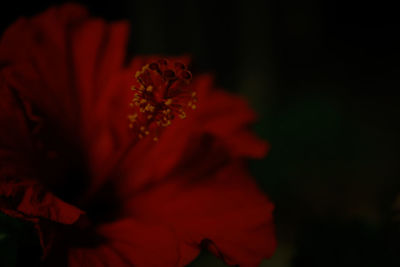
[323, 76]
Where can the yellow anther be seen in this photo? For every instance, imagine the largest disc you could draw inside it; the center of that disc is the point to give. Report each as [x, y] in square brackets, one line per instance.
[182, 115]
[132, 117]
[149, 108]
[161, 94]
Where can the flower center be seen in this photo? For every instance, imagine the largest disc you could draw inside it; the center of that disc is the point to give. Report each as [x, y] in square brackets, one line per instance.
[162, 92]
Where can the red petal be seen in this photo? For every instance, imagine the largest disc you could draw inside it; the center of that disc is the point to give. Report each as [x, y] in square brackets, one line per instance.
[228, 117]
[20, 197]
[99, 51]
[70, 68]
[14, 134]
[35, 52]
[15, 45]
[224, 210]
[25, 199]
[129, 243]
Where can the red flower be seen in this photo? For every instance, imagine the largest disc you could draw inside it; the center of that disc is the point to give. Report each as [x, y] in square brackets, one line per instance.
[78, 157]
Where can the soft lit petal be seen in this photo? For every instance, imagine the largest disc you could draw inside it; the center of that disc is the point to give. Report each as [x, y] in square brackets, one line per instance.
[225, 212]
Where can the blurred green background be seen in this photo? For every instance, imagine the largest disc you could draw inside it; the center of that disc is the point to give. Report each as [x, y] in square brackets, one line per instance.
[323, 77]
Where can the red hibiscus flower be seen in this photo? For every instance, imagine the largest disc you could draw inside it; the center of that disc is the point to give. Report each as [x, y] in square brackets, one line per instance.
[137, 165]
